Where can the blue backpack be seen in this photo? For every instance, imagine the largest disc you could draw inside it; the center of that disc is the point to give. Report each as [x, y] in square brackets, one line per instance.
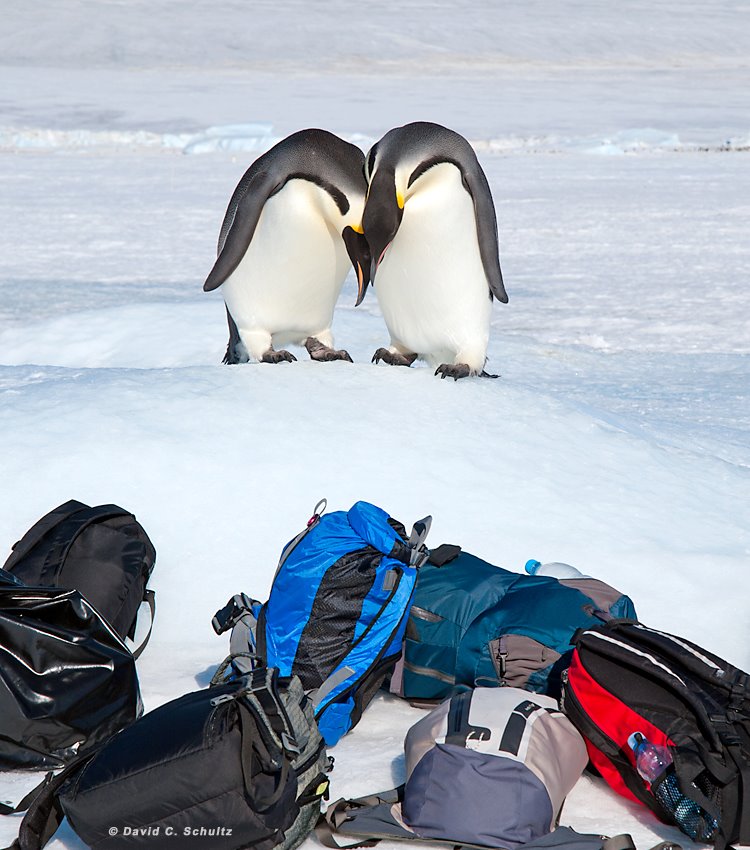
[474, 624]
[336, 613]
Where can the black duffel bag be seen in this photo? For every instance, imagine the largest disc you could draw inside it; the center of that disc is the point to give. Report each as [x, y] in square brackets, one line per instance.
[101, 551]
[227, 767]
[67, 680]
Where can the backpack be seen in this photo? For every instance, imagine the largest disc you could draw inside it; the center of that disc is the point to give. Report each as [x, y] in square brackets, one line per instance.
[300, 734]
[625, 678]
[67, 680]
[490, 767]
[472, 623]
[103, 552]
[337, 610]
[232, 764]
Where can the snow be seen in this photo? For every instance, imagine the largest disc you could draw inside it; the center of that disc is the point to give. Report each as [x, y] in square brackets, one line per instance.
[615, 140]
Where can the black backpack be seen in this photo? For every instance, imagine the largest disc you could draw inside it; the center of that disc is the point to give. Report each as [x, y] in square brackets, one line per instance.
[626, 678]
[231, 766]
[103, 552]
[67, 680]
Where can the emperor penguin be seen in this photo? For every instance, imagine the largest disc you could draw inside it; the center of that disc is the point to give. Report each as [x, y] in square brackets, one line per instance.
[293, 225]
[430, 223]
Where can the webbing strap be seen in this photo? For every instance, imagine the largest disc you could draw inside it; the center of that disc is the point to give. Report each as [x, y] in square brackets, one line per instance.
[623, 841]
[43, 811]
[339, 812]
[149, 597]
[743, 794]
[252, 744]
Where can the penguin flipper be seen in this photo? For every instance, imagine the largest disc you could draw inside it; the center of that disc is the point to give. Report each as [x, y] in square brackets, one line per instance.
[477, 186]
[236, 352]
[239, 225]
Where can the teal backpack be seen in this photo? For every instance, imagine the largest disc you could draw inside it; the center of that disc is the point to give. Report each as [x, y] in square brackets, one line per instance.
[474, 624]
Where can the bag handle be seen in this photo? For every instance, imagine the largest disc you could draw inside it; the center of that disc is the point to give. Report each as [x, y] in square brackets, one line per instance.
[149, 597]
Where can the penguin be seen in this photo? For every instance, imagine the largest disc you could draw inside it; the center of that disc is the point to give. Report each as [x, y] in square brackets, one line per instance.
[293, 225]
[430, 223]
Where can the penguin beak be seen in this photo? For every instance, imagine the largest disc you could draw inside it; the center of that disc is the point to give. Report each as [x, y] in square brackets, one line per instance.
[359, 253]
[362, 284]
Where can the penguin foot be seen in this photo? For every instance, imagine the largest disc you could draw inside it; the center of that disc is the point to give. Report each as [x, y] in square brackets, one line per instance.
[453, 370]
[393, 358]
[484, 374]
[282, 356]
[320, 352]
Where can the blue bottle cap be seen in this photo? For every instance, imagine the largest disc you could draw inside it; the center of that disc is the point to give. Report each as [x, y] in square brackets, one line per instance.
[532, 566]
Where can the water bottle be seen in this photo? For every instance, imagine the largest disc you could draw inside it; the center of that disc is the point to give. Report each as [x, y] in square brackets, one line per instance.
[555, 569]
[653, 761]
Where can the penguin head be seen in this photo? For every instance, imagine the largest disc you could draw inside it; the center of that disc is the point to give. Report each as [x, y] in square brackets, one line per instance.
[384, 210]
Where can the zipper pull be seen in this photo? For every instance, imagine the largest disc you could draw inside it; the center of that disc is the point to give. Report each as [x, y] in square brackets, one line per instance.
[223, 698]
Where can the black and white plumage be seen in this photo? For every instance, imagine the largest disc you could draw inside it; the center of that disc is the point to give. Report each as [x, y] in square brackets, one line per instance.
[292, 228]
[431, 226]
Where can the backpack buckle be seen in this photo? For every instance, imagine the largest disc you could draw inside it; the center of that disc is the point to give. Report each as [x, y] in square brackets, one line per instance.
[228, 616]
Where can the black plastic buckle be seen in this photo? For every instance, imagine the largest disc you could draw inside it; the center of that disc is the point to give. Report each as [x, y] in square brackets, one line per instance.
[228, 616]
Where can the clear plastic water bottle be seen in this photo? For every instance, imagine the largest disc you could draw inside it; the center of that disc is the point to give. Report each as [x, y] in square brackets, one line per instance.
[652, 762]
[555, 569]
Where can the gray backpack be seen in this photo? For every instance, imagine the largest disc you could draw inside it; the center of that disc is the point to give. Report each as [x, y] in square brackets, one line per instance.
[489, 767]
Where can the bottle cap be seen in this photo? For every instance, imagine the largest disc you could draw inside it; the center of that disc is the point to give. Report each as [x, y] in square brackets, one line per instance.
[532, 566]
[636, 739]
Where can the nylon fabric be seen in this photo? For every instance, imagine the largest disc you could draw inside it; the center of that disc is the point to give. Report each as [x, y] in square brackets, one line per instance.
[67, 680]
[247, 783]
[456, 792]
[337, 612]
[101, 551]
[473, 604]
[626, 677]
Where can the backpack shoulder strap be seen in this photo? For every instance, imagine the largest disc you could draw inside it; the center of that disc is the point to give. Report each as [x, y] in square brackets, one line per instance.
[43, 811]
[374, 813]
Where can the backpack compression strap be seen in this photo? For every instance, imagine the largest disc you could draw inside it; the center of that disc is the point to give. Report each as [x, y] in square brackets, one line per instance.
[414, 552]
[238, 616]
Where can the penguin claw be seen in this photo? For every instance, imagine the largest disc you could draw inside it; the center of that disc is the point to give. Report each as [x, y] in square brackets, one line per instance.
[282, 356]
[393, 358]
[322, 353]
[453, 370]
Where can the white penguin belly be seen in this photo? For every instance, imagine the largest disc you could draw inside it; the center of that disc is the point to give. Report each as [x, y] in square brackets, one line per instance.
[431, 284]
[292, 273]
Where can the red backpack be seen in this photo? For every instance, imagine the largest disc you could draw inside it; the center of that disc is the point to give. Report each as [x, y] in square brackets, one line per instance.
[627, 681]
